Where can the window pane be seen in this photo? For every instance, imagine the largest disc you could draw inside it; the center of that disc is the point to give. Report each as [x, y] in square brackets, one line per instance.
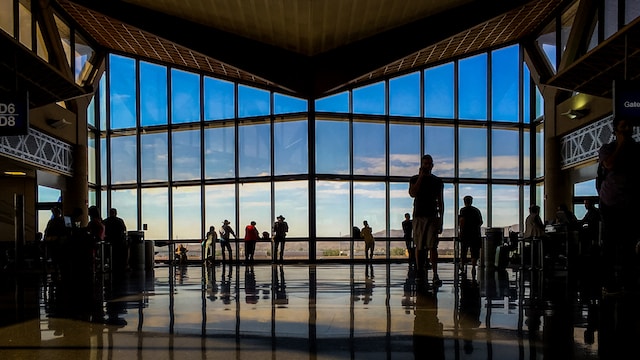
[47, 194]
[6, 16]
[404, 95]
[332, 209]
[84, 53]
[332, 147]
[288, 104]
[122, 86]
[526, 155]
[438, 92]
[186, 155]
[41, 47]
[504, 207]
[290, 147]
[292, 202]
[185, 97]
[610, 18]
[91, 158]
[585, 188]
[102, 108]
[123, 159]
[153, 94]
[24, 20]
[404, 149]
[103, 160]
[220, 205]
[450, 216]
[153, 158]
[479, 194]
[631, 11]
[219, 152]
[472, 89]
[473, 152]
[526, 94]
[368, 148]
[126, 202]
[505, 154]
[439, 143]
[219, 99]
[91, 112]
[255, 205]
[369, 99]
[504, 86]
[539, 150]
[399, 203]
[335, 103]
[547, 44]
[253, 102]
[186, 216]
[369, 204]
[255, 150]
[64, 31]
[155, 213]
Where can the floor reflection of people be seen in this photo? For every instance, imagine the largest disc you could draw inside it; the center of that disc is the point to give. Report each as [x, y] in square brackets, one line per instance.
[210, 283]
[428, 341]
[280, 286]
[225, 284]
[409, 289]
[368, 283]
[469, 314]
[251, 294]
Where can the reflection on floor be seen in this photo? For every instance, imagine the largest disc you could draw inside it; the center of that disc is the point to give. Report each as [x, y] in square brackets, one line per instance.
[324, 311]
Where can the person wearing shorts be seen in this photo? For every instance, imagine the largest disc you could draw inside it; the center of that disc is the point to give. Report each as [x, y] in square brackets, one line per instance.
[427, 191]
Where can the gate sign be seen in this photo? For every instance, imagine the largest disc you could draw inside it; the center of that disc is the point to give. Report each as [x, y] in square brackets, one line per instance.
[14, 116]
[626, 100]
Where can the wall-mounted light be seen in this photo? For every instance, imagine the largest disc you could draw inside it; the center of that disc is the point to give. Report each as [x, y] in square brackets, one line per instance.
[58, 124]
[575, 114]
[15, 173]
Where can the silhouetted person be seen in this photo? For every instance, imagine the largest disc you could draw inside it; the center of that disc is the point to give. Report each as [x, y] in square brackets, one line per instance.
[209, 247]
[116, 234]
[55, 238]
[618, 186]
[251, 236]
[225, 233]
[369, 242]
[427, 191]
[470, 222]
[280, 229]
[407, 235]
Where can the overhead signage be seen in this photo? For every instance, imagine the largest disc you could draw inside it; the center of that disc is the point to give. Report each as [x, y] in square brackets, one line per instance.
[14, 115]
[626, 99]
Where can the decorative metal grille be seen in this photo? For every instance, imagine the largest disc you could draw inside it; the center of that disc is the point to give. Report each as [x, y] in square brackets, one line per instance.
[39, 149]
[583, 144]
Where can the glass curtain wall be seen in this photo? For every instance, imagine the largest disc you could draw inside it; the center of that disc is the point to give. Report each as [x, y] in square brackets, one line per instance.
[179, 151]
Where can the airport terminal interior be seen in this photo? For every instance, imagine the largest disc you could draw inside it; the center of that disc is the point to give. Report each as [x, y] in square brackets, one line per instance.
[190, 120]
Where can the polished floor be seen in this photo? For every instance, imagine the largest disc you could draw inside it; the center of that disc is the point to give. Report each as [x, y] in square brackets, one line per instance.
[321, 311]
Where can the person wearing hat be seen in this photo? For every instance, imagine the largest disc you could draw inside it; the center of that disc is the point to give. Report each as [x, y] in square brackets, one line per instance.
[280, 229]
[225, 232]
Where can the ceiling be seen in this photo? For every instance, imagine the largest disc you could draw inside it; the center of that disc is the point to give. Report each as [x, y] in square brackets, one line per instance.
[308, 48]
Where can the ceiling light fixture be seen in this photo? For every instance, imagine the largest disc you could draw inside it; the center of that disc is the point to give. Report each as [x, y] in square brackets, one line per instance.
[575, 114]
[58, 124]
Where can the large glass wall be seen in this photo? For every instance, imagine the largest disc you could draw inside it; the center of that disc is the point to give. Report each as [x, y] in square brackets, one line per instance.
[178, 152]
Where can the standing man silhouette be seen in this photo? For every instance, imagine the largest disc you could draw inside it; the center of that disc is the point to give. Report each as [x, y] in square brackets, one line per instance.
[427, 191]
[280, 229]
